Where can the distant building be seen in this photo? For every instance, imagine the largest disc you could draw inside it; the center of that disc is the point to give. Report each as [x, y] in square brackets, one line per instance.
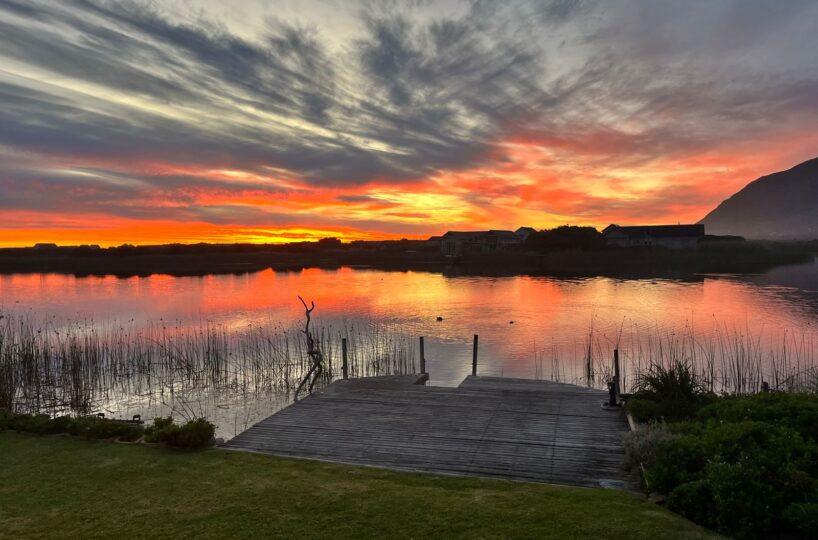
[668, 236]
[45, 245]
[434, 241]
[525, 232]
[456, 243]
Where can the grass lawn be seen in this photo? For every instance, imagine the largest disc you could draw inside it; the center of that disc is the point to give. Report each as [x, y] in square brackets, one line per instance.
[68, 488]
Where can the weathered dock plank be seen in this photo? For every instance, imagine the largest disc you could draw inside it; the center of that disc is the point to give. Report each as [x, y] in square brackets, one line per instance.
[509, 428]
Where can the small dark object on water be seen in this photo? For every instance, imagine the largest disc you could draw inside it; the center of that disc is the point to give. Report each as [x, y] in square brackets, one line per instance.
[510, 322]
[439, 318]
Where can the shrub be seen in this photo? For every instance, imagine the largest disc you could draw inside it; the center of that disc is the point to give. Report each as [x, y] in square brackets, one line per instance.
[676, 382]
[736, 478]
[57, 425]
[642, 410]
[674, 390]
[641, 445]
[98, 428]
[730, 498]
[5, 419]
[95, 428]
[190, 435]
[163, 430]
[802, 518]
[194, 434]
[29, 423]
[798, 411]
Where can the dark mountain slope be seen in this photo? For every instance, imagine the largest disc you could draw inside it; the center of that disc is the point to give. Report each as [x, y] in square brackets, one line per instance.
[780, 205]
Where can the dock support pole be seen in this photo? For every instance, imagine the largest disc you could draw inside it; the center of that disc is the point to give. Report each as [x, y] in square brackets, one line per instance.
[422, 357]
[345, 364]
[617, 388]
[611, 394]
[474, 357]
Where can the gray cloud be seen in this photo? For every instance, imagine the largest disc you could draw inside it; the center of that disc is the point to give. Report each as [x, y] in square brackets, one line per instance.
[123, 83]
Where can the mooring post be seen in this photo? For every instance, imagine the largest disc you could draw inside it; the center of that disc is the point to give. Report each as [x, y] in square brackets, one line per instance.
[474, 357]
[344, 365]
[612, 394]
[422, 357]
[616, 373]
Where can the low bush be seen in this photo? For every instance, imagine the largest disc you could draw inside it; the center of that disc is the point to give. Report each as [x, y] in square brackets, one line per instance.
[668, 393]
[191, 435]
[802, 518]
[91, 427]
[797, 411]
[642, 410]
[742, 477]
[195, 434]
[107, 429]
[641, 445]
[163, 430]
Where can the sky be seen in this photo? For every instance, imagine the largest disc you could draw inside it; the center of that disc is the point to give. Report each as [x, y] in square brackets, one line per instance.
[276, 120]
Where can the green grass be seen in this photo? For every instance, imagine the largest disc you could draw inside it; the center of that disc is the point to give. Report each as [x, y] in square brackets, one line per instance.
[67, 488]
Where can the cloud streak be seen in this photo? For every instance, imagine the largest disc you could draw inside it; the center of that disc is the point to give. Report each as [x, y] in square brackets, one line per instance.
[397, 120]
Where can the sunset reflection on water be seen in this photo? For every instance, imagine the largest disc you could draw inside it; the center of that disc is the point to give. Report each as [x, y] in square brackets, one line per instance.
[522, 321]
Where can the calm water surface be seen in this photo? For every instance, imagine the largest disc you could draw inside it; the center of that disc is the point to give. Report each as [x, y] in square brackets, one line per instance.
[528, 326]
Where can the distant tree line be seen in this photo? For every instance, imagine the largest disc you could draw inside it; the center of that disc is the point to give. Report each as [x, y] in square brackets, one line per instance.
[565, 237]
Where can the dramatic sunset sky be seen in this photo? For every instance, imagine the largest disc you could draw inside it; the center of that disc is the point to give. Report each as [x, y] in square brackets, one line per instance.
[270, 120]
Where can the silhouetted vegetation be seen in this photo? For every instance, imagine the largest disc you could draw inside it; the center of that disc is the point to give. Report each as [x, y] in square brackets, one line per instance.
[565, 237]
[563, 251]
[668, 393]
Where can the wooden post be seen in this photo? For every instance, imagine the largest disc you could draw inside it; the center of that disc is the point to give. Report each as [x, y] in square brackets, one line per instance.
[422, 357]
[345, 364]
[611, 395]
[474, 357]
[616, 373]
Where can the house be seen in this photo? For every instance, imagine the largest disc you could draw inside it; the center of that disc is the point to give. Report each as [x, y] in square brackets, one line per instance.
[525, 232]
[668, 236]
[434, 241]
[456, 243]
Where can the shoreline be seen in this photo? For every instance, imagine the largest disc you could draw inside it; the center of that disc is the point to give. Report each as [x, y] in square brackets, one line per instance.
[201, 260]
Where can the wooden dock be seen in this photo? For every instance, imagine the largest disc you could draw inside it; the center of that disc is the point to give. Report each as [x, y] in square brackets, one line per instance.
[506, 428]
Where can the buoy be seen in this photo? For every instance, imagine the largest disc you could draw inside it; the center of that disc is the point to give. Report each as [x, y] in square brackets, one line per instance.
[439, 318]
[510, 322]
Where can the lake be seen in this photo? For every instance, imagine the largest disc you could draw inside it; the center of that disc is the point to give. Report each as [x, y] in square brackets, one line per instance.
[741, 329]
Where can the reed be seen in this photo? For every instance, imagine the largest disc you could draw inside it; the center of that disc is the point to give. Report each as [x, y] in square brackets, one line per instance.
[78, 366]
[729, 360]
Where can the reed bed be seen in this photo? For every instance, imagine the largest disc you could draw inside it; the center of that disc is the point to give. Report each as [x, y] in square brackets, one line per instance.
[78, 366]
[726, 360]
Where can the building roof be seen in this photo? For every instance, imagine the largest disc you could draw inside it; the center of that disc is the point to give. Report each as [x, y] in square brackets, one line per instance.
[499, 233]
[656, 231]
[462, 234]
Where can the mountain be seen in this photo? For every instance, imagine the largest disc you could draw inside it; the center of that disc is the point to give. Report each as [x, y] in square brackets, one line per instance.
[780, 205]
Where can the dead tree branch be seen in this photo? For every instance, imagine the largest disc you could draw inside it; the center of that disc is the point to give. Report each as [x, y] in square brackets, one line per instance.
[317, 357]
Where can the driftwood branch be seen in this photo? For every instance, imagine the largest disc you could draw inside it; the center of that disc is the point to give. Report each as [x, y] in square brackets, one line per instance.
[317, 357]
